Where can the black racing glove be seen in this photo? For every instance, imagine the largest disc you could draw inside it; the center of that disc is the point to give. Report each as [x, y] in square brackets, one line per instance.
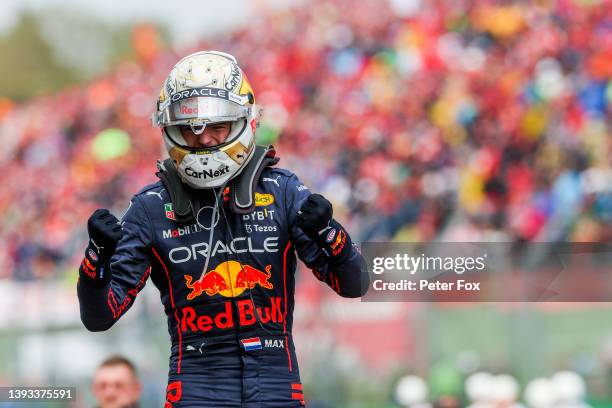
[104, 233]
[315, 219]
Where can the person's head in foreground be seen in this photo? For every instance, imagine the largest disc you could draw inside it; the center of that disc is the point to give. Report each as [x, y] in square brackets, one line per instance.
[115, 384]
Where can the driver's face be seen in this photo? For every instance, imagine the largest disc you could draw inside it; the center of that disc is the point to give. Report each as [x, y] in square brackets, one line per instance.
[213, 134]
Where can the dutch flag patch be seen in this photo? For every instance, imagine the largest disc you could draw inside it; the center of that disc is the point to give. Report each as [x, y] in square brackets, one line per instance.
[251, 344]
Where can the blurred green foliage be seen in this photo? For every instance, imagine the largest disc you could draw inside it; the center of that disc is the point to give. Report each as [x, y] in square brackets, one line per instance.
[51, 49]
[27, 65]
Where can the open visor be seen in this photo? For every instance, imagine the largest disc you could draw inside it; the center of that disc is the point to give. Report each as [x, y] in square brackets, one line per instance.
[200, 110]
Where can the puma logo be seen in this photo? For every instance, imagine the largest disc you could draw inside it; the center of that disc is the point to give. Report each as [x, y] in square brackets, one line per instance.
[273, 180]
[98, 248]
[156, 193]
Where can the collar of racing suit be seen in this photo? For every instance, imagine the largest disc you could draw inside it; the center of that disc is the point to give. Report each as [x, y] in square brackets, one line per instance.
[241, 187]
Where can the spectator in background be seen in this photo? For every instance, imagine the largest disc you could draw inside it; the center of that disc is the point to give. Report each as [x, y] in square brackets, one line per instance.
[116, 384]
[447, 402]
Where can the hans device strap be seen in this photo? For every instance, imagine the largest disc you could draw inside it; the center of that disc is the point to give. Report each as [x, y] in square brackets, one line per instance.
[242, 187]
[179, 192]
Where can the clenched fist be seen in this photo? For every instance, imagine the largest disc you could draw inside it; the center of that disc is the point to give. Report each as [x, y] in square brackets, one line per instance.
[315, 219]
[104, 234]
[314, 215]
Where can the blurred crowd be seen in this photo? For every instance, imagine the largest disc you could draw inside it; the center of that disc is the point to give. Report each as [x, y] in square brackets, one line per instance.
[449, 119]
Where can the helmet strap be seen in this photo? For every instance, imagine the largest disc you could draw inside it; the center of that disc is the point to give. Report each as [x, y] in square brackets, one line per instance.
[242, 187]
[179, 192]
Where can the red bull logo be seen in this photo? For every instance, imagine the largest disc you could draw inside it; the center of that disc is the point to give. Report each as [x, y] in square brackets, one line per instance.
[248, 315]
[229, 279]
[249, 277]
[210, 283]
[174, 391]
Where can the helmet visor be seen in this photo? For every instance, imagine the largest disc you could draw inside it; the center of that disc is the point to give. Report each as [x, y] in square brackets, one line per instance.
[201, 110]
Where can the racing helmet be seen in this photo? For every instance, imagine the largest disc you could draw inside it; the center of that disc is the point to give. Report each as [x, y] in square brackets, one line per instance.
[205, 88]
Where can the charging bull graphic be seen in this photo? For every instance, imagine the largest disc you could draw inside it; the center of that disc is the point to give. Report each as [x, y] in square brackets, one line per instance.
[210, 283]
[248, 277]
[229, 279]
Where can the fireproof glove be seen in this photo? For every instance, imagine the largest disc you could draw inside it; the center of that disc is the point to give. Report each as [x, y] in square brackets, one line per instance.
[314, 215]
[104, 233]
[315, 219]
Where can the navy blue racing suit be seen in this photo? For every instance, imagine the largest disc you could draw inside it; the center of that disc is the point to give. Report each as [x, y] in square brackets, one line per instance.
[230, 325]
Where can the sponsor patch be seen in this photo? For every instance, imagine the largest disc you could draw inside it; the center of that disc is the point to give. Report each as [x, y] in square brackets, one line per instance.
[246, 315]
[174, 392]
[169, 211]
[331, 235]
[238, 245]
[338, 245]
[250, 228]
[229, 279]
[196, 92]
[92, 255]
[262, 200]
[180, 231]
[234, 78]
[158, 194]
[88, 268]
[259, 215]
[199, 349]
[206, 174]
[170, 86]
[272, 180]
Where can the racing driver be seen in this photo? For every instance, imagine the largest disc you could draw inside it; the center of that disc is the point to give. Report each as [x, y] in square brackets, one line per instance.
[219, 235]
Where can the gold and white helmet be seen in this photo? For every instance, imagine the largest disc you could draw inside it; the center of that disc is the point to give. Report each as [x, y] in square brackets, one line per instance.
[205, 88]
